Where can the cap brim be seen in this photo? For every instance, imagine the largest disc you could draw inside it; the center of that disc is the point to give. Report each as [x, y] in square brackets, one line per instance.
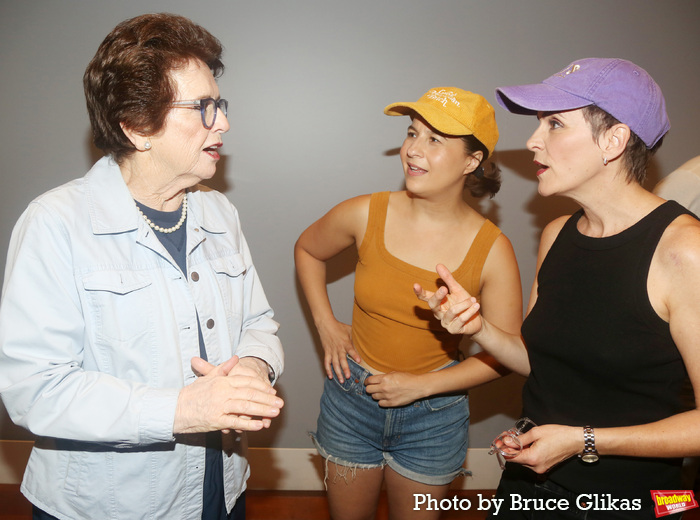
[538, 97]
[435, 118]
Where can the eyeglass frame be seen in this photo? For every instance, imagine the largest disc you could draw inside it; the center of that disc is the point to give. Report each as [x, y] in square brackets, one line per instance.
[521, 426]
[219, 104]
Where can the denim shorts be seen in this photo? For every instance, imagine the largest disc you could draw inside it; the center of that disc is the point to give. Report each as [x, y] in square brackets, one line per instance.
[425, 441]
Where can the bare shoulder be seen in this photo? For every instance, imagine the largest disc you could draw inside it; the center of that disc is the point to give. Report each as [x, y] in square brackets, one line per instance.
[550, 233]
[552, 229]
[501, 252]
[338, 229]
[678, 251]
[353, 207]
[674, 274]
[360, 201]
[356, 212]
[348, 218]
[348, 209]
[501, 287]
[501, 261]
[674, 284]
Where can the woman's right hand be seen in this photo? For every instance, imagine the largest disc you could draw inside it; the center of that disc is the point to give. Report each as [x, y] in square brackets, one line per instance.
[336, 338]
[457, 310]
[217, 401]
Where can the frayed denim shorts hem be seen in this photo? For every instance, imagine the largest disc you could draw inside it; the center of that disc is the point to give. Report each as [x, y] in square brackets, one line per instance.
[425, 441]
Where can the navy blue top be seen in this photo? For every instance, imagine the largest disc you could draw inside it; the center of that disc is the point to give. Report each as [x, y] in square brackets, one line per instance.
[214, 507]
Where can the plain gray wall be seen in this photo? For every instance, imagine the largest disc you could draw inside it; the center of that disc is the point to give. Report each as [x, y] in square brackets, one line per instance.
[307, 82]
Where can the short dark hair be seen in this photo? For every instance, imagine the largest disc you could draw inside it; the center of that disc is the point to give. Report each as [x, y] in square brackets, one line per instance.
[128, 81]
[636, 156]
[488, 183]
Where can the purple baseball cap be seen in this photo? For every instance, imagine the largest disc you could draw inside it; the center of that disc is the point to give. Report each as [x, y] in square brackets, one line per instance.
[621, 88]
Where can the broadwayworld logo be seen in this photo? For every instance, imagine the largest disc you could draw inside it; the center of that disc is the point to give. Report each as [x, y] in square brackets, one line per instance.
[670, 502]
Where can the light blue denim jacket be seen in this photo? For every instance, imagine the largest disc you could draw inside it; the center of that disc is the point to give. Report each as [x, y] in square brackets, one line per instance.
[97, 329]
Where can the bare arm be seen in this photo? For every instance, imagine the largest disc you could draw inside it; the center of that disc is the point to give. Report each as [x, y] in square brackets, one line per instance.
[458, 312]
[340, 228]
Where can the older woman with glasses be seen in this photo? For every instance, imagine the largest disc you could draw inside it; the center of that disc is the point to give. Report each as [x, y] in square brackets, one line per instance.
[135, 338]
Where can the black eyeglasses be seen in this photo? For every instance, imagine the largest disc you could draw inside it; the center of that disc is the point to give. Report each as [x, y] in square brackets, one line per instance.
[207, 107]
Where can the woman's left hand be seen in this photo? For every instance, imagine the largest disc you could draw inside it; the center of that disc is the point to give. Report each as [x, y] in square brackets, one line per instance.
[394, 388]
[251, 367]
[546, 446]
[245, 366]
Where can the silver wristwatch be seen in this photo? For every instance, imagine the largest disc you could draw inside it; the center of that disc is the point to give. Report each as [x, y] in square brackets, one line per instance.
[589, 453]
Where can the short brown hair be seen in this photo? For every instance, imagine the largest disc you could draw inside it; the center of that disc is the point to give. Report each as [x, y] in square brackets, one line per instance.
[486, 179]
[128, 81]
[636, 156]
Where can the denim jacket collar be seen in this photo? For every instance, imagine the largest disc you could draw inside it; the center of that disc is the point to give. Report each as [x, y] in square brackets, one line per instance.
[112, 208]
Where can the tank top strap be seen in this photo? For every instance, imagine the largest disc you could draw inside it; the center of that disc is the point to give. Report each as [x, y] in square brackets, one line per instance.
[663, 216]
[378, 206]
[479, 250]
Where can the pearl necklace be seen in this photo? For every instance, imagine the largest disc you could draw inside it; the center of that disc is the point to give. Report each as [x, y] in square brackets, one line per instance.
[170, 229]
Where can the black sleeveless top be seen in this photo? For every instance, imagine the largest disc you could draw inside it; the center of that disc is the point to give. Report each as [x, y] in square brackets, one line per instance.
[600, 355]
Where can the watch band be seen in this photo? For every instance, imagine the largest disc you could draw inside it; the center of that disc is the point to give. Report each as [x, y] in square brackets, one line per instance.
[589, 453]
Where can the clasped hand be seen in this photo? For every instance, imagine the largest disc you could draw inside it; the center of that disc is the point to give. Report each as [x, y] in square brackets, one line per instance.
[227, 397]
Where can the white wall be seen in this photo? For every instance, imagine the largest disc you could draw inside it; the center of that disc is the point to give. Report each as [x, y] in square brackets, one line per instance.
[307, 82]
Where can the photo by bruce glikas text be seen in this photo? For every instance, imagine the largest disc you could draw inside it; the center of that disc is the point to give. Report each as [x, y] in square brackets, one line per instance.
[583, 502]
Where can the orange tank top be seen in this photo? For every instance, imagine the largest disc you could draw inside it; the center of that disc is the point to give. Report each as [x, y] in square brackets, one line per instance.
[392, 330]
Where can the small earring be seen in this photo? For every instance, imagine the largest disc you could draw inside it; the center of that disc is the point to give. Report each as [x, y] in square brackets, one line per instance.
[147, 145]
[605, 160]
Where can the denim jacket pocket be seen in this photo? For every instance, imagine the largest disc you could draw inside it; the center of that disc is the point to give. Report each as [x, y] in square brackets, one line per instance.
[229, 265]
[120, 303]
[229, 274]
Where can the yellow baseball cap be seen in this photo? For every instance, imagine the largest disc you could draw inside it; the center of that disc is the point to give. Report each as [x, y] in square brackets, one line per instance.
[453, 111]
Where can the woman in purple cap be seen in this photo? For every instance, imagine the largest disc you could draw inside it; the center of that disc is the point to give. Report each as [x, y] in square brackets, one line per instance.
[612, 324]
[386, 416]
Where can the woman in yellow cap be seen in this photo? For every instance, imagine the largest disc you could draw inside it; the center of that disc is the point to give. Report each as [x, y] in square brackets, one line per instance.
[395, 354]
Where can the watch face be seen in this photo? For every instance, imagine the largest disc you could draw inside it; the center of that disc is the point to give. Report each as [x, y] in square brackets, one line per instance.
[589, 457]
